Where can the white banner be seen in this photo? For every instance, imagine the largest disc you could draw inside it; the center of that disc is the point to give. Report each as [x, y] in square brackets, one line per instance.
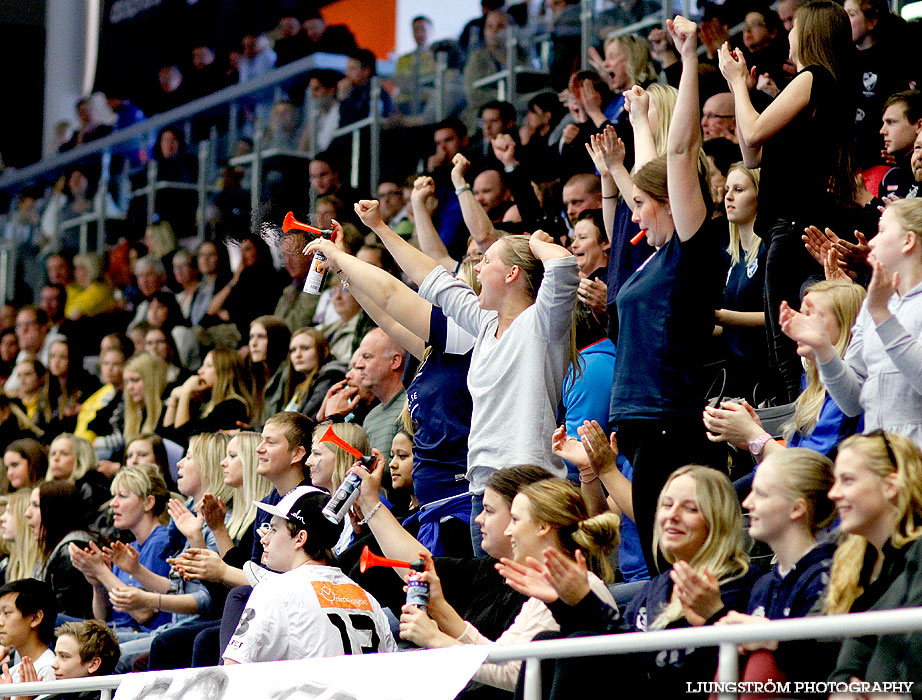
[434, 674]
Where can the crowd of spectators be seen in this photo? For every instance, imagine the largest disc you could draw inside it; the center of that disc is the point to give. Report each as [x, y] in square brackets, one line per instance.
[560, 332]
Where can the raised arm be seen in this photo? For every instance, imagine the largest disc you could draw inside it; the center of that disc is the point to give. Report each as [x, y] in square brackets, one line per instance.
[755, 129]
[428, 236]
[475, 216]
[685, 197]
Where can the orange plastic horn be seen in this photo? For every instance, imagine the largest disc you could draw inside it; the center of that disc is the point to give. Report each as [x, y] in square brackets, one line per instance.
[368, 559]
[291, 222]
[330, 436]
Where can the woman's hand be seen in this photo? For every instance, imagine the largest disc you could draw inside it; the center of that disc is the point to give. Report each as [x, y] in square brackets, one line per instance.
[601, 449]
[699, 594]
[128, 599]
[809, 332]
[188, 523]
[737, 618]
[881, 288]
[370, 489]
[732, 66]
[570, 578]
[613, 151]
[459, 166]
[528, 579]
[214, 510]
[199, 563]
[569, 448]
[684, 35]
[123, 556]
[732, 422]
[367, 210]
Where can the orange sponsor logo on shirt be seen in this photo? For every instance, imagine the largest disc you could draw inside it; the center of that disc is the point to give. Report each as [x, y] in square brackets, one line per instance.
[341, 595]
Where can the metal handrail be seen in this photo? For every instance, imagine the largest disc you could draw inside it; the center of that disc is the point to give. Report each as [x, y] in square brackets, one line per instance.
[191, 109]
[726, 637]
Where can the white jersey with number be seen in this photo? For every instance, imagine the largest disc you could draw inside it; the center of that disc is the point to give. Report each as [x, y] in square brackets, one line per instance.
[309, 611]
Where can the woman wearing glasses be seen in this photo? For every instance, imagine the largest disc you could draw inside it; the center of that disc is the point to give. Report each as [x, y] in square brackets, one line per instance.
[878, 495]
[881, 373]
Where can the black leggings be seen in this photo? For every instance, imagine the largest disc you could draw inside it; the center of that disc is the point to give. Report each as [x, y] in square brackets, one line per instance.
[787, 266]
[656, 448]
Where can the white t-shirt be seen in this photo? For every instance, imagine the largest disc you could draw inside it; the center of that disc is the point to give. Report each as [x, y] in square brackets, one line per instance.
[306, 612]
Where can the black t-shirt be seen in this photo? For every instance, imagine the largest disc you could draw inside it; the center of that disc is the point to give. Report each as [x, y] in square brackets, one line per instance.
[798, 161]
[666, 320]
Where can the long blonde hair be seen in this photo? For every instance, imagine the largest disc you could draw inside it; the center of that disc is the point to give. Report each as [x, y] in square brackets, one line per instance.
[153, 373]
[25, 552]
[559, 503]
[349, 433]
[254, 487]
[722, 553]
[516, 251]
[208, 449]
[846, 298]
[845, 584]
[736, 241]
[228, 383]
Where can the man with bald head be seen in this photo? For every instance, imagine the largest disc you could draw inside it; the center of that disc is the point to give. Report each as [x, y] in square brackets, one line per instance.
[492, 194]
[583, 191]
[718, 118]
[379, 363]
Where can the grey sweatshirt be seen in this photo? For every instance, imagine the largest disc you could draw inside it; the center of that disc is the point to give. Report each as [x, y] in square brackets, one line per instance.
[881, 373]
[516, 381]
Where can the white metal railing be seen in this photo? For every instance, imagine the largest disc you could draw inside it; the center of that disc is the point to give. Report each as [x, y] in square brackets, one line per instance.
[725, 637]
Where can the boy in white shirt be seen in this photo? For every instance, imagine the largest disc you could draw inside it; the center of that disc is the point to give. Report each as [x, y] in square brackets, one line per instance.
[312, 609]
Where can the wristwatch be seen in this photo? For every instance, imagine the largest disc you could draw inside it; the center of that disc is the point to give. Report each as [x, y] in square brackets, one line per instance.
[756, 446]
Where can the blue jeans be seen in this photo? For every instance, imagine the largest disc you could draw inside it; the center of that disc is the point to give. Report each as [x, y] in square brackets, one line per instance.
[476, 509]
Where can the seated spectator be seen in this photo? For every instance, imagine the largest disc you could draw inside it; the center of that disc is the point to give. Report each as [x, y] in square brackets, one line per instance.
[257, 57]
[139, 498]
[312, 371]
[298, 543]
[788, 510]
[95, 296]
[213, 399]
[265, 367]
[55, 515]
[27, 615]
[877, 496]
[355, 89]
[818, 422]
[83, 649]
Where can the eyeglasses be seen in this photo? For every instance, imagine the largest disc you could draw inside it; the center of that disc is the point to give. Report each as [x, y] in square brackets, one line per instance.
[880, 433]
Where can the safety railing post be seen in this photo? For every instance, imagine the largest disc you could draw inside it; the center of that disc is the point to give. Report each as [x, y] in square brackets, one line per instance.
[151, 189]
[204, 148]
[374, 141]
[441, 65]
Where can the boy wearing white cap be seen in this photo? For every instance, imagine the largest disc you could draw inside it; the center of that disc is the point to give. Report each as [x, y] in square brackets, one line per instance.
[312, 609]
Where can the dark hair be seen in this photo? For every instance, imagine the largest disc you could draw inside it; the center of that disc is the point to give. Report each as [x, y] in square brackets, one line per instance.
[33, 597]
[35, 454]
[454, 124]
[365, 57]
[506, 110]
[507, 482]
[94, 641]
[61, 509]
[911, 99]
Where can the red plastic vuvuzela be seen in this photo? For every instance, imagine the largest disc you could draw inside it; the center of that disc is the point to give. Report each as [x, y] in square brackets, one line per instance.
[369, 559]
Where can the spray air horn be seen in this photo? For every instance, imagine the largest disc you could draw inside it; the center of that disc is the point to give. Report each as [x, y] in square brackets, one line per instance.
[318, 272]
[337, 507]
[417, 590]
